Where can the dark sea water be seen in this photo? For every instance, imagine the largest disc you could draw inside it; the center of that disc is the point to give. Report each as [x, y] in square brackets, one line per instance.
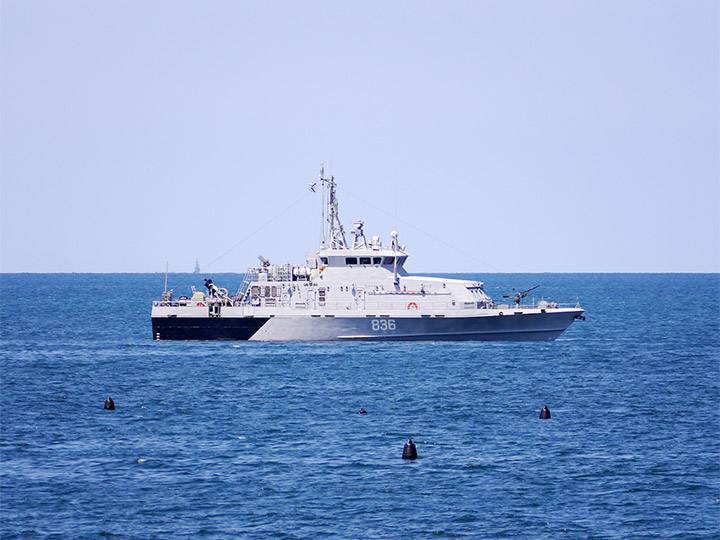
[250, 440]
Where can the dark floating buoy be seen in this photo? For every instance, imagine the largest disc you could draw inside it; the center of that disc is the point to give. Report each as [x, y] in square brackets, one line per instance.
[545, 413]
[362, 411]
[409, 452]
[109, 404]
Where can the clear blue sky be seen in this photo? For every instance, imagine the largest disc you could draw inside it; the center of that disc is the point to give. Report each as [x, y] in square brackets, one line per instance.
[531, 136]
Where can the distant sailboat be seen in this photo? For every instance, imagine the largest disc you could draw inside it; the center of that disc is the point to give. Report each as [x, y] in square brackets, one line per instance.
[197, 267]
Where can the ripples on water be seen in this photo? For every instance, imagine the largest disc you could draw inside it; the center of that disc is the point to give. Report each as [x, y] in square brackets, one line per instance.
[252, 440]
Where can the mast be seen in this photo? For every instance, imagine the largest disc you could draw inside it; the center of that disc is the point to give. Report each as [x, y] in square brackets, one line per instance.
[394, 242]
[167, 295]
[335, 233]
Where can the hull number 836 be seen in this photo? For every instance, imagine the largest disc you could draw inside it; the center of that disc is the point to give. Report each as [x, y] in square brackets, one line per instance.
[383, 324]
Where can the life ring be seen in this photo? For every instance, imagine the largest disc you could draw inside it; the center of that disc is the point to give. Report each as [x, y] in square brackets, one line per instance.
[200, 304]
[412, 305]
[501, 314]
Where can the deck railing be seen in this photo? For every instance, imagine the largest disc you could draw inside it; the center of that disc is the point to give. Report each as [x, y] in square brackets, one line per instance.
[408, 305]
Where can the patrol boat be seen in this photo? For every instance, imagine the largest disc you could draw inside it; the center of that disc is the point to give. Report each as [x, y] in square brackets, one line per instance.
[358, 291]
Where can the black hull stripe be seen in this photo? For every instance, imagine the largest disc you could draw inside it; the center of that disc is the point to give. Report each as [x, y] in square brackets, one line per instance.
[205, 329]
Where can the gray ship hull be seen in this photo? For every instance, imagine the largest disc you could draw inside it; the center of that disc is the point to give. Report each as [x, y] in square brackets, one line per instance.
[525, 325]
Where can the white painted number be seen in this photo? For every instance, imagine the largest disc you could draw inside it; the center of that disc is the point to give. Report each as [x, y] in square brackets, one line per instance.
[383, 324]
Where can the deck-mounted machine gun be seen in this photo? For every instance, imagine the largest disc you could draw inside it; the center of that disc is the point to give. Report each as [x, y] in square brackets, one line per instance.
[520, 295]
[214, 291]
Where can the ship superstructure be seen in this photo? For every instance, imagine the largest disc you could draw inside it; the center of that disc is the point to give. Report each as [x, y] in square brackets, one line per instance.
[358, 290]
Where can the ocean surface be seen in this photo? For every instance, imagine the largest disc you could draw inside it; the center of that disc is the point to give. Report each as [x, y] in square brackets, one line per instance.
[224, 440]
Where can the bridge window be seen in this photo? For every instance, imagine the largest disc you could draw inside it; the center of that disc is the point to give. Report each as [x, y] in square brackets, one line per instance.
[350, 260]
[324, 260]
[389, 260]
[377, 260]
[364, 260]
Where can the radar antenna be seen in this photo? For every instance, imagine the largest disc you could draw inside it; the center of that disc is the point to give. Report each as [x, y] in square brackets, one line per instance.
[520, 295]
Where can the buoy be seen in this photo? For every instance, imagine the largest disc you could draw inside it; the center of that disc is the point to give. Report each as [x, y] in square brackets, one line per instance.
[362, 411]
[409, 452]
[109, 404]
[545, 413]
